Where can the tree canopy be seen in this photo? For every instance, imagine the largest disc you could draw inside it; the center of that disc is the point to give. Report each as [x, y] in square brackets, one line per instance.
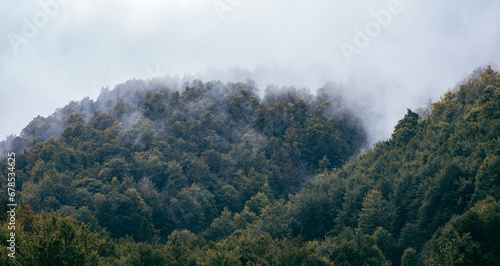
[215, 175]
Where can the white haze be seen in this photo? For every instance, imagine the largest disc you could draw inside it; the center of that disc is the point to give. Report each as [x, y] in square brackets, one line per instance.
[425, 50]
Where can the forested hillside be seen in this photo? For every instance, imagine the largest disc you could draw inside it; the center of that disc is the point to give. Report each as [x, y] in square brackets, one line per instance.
[214, 175]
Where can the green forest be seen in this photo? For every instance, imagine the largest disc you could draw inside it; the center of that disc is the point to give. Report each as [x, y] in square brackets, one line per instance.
[216, 174]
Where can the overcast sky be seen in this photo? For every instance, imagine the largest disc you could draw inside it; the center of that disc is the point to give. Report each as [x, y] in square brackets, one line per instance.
[397, 54]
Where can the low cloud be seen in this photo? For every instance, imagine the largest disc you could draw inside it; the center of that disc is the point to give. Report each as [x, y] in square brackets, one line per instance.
[424, 50]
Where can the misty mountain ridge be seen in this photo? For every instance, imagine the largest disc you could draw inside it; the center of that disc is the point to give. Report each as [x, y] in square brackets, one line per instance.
[215, 175]
[132, 92]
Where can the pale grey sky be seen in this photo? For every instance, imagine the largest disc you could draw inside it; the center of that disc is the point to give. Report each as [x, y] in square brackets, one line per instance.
[398, 55]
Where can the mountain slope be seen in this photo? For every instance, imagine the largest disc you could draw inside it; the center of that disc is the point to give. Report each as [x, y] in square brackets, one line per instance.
[174, 160]
[413, 184]
[231, 170]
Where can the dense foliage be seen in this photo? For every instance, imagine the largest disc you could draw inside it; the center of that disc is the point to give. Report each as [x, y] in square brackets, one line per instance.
[213, 175]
